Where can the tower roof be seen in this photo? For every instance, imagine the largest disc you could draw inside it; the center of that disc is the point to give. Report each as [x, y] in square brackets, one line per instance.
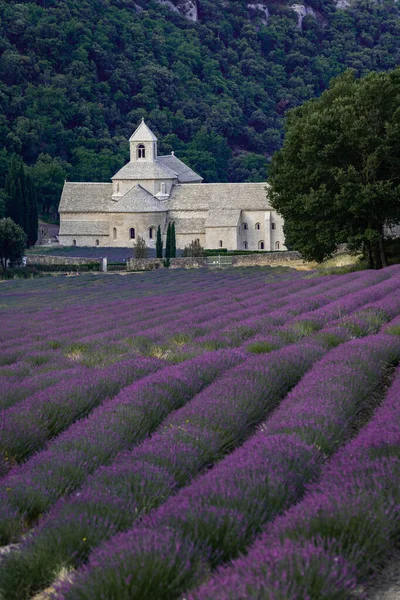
[143, 134]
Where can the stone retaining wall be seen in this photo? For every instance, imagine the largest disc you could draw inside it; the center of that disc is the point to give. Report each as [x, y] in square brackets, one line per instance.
[43, 259]
[250, 260]
[263, 260]
[150, 264]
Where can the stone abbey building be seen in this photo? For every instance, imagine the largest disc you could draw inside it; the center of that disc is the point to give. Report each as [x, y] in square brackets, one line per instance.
[154, 190]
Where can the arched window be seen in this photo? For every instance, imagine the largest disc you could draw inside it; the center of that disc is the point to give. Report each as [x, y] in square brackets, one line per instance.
[245, 245]
[273, 226]
[114, 233]
[132, 233]
[141, 151]
[245, 226]
[97, 243]
[277, 245]
[74, 242]
[221, 243]
[258, 226]
[151, 232]
[261, 245]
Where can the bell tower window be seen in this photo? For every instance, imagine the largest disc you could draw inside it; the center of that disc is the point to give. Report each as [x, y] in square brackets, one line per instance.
[141, 151]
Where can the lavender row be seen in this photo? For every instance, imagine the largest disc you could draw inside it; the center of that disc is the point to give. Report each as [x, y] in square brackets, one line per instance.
[26, 427]
[342, 531]
[216, 517]
[42, 411]
[191, 439]
[91, 423]
[153, 471]
[31, 489]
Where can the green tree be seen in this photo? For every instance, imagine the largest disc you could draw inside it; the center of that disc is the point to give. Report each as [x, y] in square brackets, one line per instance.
[140, 248]
[15, 192]
[12, 243]
[337, 177]
[32, 221]
[159, 243]
[194, 249]
[21, 201]
[168, 242]
[173, 241]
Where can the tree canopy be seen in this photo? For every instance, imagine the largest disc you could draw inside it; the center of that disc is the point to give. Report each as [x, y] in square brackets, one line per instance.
[12, 243]
[77, 76]
[337, 177]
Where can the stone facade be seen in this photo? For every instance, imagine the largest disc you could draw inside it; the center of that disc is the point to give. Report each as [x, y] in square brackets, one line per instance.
[151, 191]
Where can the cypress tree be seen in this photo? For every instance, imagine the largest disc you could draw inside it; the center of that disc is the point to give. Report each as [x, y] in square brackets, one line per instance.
[168, 244]
[14, 188]
[159, 243]
[32, 211]
[173, 241]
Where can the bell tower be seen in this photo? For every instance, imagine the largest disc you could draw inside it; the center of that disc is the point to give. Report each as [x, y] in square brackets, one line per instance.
[143, 144]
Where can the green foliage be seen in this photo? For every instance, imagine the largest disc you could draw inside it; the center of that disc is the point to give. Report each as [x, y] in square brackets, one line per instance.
[159, 243]
[337, 180]
[194, 249]
[20, 199]
[140, 248]
[168, 242]
[76, 77]
[173, 241]
[12, 243]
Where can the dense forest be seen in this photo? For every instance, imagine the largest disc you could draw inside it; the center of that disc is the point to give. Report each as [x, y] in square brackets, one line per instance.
[76, 76]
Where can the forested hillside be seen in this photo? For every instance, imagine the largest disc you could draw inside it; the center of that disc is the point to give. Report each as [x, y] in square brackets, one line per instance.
[77, 76]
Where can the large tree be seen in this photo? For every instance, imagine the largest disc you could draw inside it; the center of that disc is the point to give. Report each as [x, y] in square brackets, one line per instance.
[21, 200]
[12, 243]
[337, 178]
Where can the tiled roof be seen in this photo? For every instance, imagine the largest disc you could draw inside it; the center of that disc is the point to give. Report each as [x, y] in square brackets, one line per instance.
[185, 173]
[84, 228]
[85, 197]
[195, 225]
[145, 170]
[137, 200]
[143, 134]
[222, 218]
[220, 196]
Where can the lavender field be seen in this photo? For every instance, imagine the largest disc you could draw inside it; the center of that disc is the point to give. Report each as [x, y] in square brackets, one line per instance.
[199, 435]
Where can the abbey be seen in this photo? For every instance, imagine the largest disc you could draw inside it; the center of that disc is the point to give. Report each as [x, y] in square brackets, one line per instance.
[154, 190]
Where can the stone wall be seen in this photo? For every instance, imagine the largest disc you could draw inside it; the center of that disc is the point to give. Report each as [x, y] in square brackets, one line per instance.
[249, 260]
[150, 264]
[263, 260]
[43, 259]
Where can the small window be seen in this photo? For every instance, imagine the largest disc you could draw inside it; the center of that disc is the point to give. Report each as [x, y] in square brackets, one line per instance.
[261, 245]
[74, 242]
[151, 233]
[245, 245]
[117, 187]
[141, 151]
[258, 226]
[273, 226]
[163, 188]
[114, 233]
[277, 246]
[221, 244]
[245, 226]
[132, 233]
[97, 243]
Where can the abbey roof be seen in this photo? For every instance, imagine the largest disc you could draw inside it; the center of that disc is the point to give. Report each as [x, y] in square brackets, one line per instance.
[143, 133]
